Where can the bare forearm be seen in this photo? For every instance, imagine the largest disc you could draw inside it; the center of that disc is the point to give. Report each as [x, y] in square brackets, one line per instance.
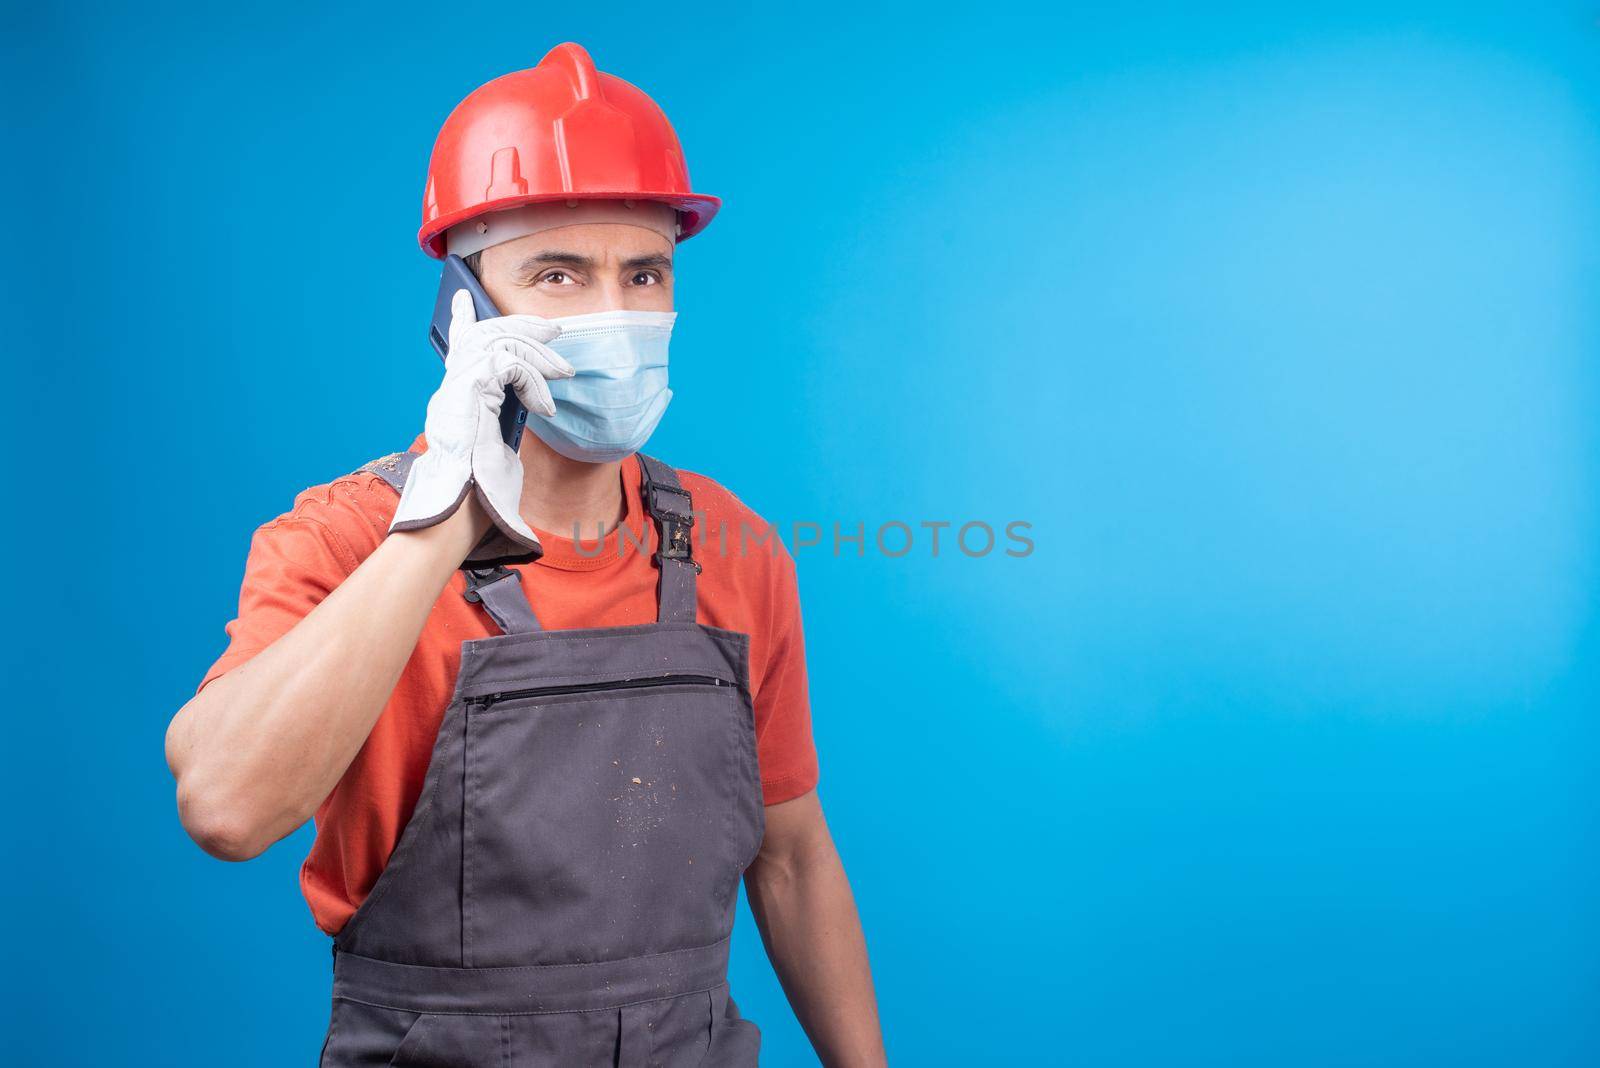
[258, 749]
[807, 916]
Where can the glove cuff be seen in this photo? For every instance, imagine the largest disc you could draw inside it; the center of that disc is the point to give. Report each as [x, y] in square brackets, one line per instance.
[423, 522]
[497, 550]
[507, 542]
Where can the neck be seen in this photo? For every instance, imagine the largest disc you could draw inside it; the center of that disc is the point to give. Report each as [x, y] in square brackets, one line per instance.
[561, 495]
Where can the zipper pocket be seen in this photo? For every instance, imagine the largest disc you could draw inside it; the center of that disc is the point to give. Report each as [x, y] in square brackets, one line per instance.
[489, 700]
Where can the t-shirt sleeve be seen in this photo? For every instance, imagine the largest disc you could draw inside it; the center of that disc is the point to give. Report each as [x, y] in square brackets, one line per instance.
[786, 749]
[295, 561]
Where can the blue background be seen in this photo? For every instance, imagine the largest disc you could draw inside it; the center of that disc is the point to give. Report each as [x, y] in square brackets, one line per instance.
[1278, 325]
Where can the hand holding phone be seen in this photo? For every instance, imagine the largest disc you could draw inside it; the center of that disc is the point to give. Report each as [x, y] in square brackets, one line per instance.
[467, 452]
[456, 277]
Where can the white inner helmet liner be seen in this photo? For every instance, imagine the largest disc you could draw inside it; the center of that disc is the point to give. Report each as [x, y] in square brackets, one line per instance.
[496, 227]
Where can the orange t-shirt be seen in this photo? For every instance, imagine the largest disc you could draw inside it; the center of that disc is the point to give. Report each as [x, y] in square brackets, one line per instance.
[298, 558]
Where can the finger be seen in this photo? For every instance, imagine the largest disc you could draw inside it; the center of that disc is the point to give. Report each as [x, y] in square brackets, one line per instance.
[532, 391]
[547, 361]
[462, 315]
[529, 386]
[530, 326]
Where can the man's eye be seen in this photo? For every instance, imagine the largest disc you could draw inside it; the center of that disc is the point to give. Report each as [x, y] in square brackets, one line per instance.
[645, 278]
[559, 278]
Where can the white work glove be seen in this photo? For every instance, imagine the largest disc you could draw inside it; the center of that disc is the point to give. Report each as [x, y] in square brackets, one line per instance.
[465, 450]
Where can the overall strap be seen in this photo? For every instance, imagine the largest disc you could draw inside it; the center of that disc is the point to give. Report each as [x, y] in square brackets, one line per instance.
[393, 468]
[497, 588]
[672, 509]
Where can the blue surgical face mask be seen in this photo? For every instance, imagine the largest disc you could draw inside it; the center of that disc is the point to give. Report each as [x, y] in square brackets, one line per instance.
[612, 405]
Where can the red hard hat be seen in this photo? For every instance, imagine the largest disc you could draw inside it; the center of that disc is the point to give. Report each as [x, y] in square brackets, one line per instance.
[559, 131]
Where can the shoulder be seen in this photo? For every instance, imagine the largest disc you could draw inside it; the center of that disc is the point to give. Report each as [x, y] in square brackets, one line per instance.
[735, 529]
[713, 498]
[351, 513]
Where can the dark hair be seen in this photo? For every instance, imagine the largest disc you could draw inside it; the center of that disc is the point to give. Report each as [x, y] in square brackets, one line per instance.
[473, 263]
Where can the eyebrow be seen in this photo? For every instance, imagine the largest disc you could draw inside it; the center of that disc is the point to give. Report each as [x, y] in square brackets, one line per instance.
[653, 259]
[563, 258]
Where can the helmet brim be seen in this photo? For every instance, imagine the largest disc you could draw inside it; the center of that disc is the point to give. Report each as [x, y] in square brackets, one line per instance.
[695, 212]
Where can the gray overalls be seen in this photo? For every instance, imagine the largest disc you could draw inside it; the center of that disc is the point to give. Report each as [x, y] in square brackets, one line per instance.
[564, 892]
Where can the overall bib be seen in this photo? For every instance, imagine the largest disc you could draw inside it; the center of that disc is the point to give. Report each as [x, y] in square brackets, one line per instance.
[564, 891]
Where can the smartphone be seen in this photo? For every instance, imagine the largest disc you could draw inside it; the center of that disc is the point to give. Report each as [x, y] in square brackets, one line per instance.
[457, 276]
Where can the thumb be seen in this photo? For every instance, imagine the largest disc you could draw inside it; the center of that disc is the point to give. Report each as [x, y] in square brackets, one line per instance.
[462, 314]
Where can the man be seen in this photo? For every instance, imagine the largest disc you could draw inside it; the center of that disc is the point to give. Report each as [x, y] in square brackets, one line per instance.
[538, 765]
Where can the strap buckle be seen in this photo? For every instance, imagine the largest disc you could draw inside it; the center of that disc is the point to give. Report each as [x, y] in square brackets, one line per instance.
[676, 544]
[675, 518]
[672, 508]
[479, 577]
[662, 509]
